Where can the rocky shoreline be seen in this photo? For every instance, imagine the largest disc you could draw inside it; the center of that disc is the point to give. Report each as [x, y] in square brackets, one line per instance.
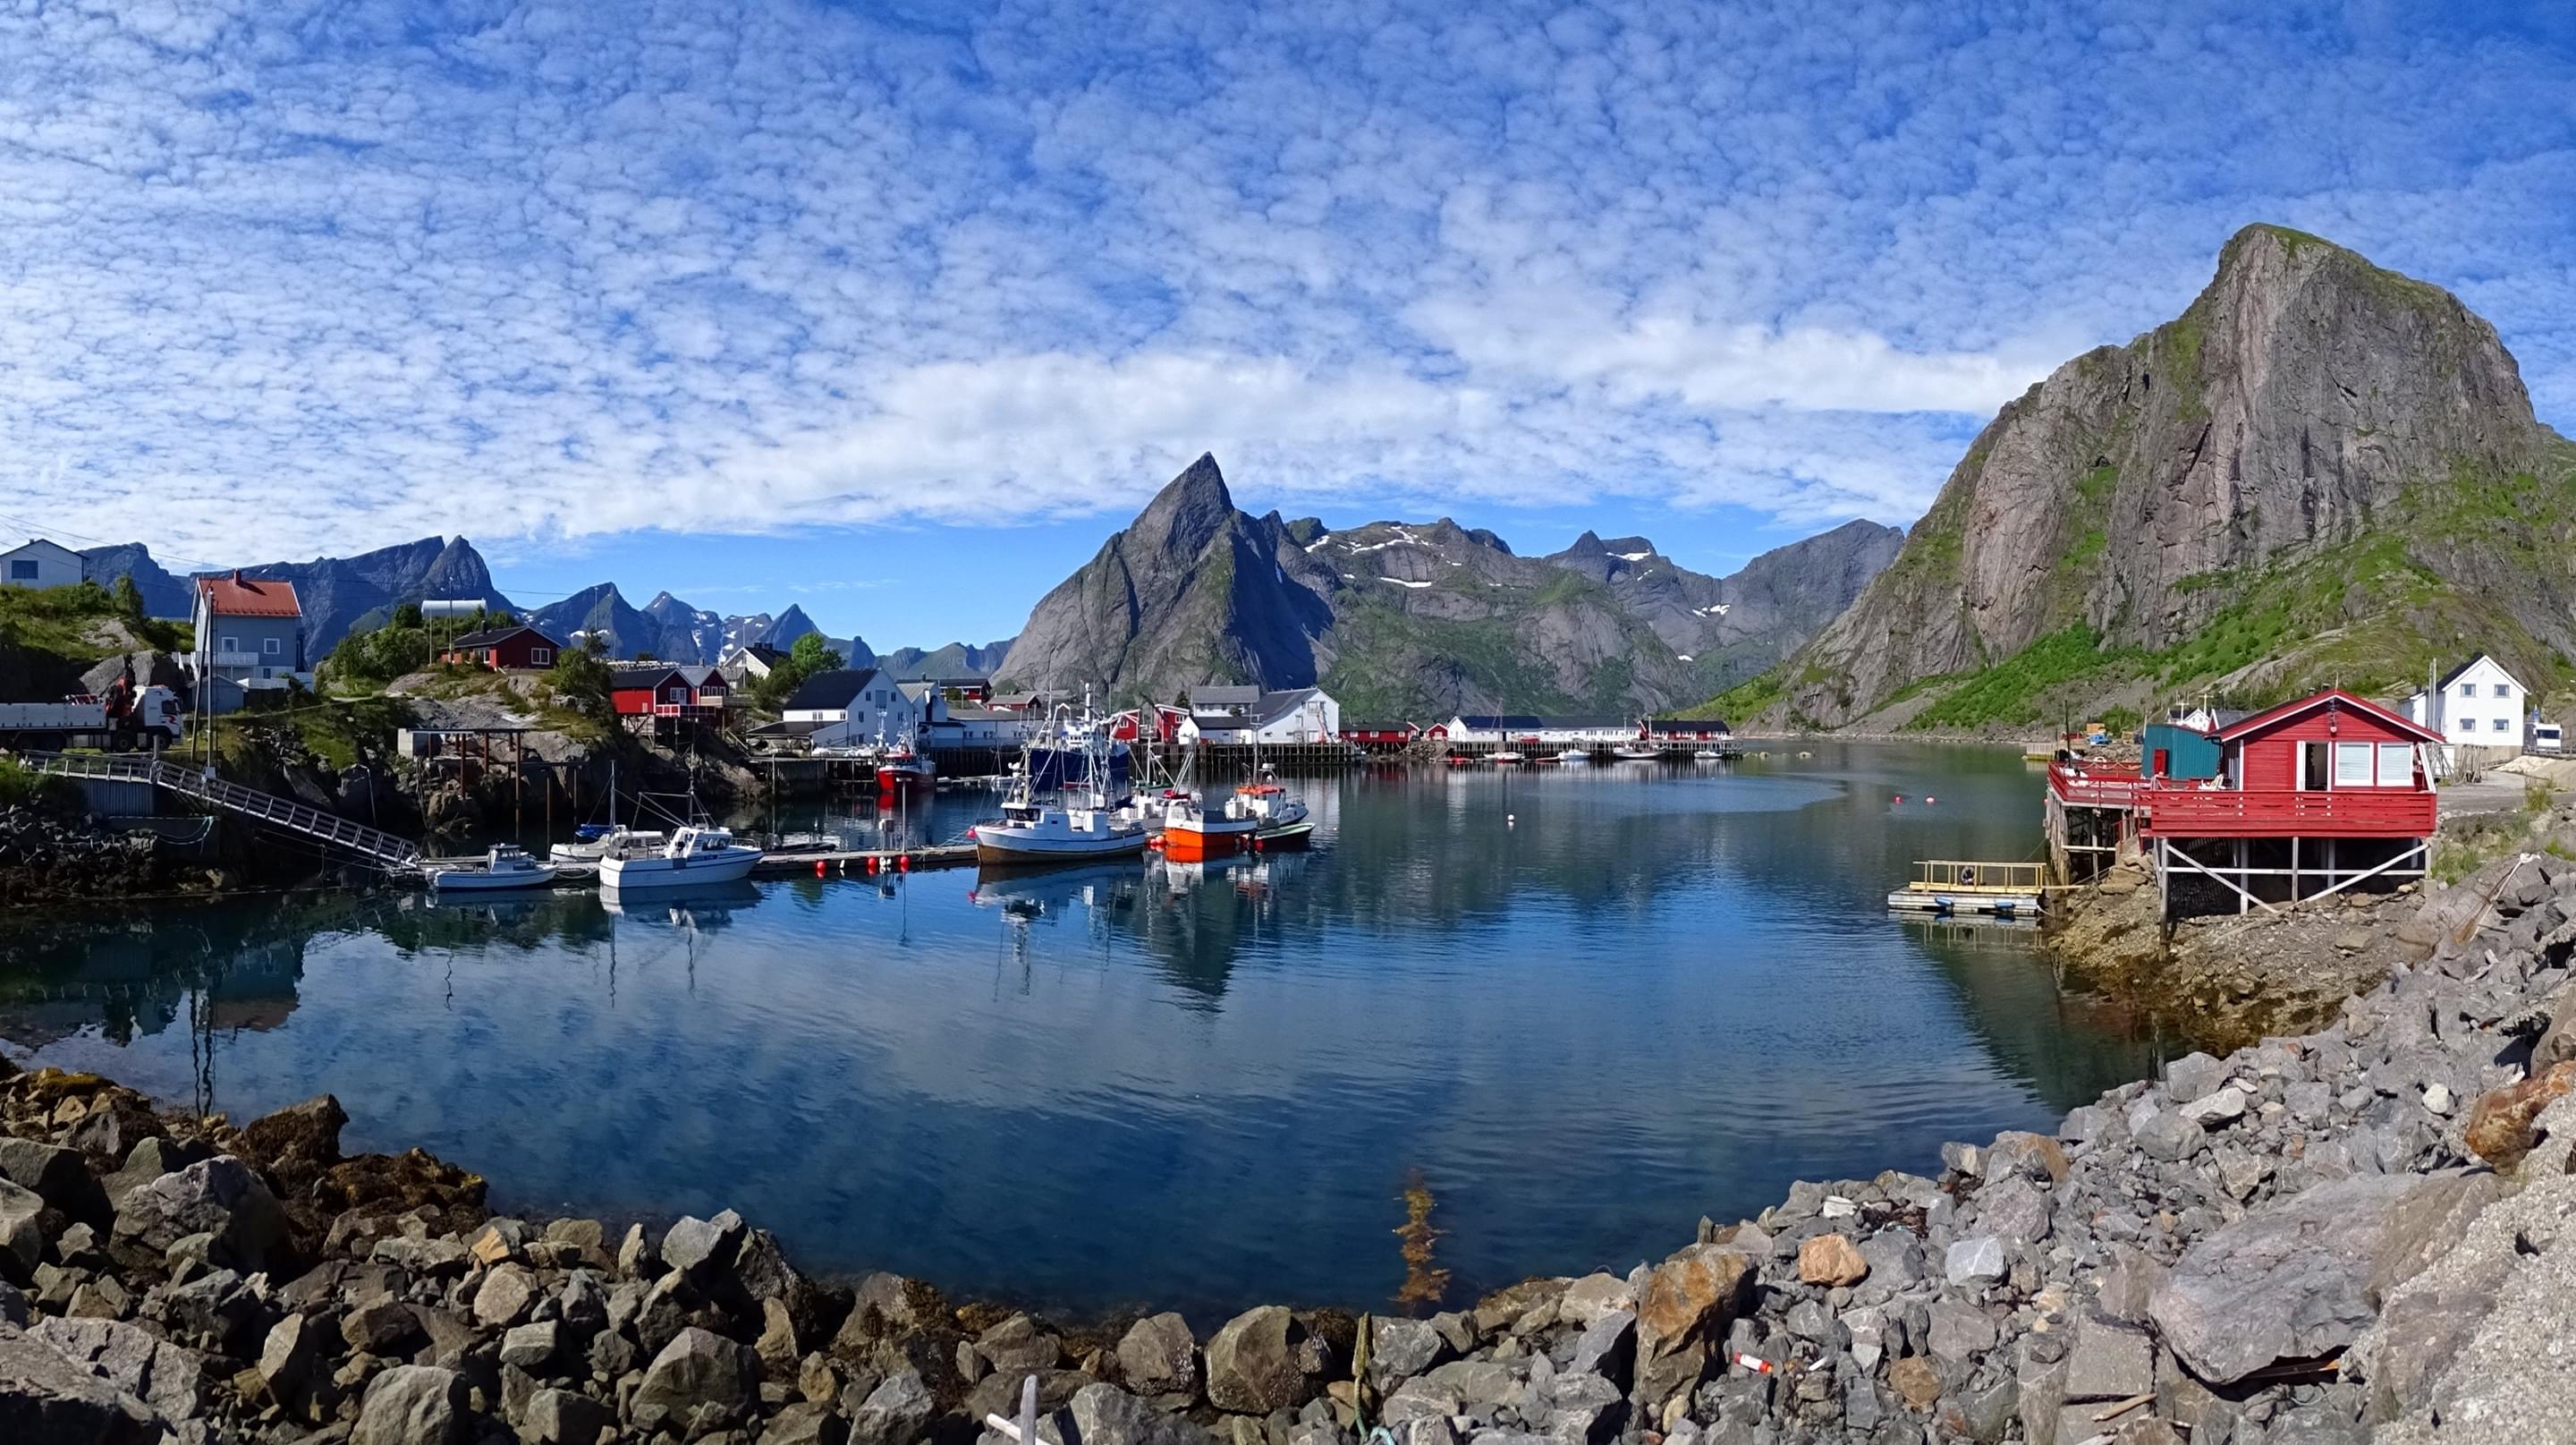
[2349, 1235]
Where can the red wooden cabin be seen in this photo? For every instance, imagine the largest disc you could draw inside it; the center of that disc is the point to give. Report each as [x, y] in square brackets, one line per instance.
[503, 648]
[2312, 797]
[668, 691]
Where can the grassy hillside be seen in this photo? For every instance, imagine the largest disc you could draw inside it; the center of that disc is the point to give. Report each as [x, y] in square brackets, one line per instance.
[49, 637]
[2462, 564]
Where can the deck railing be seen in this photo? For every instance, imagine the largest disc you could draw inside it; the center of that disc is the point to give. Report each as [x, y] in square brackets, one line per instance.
[1965, 874]
[2170, 811]
[2095, 787]
[269, 808]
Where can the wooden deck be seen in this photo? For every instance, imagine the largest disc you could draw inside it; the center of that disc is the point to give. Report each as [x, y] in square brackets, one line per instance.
[819, 863]
[1952, 886]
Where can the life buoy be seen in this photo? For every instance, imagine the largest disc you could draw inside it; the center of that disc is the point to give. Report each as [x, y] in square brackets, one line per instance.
[1967, 877]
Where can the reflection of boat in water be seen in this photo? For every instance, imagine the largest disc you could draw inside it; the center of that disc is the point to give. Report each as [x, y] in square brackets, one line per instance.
[504, 868]
[695, 854]
[698, 904]
[1035, 893]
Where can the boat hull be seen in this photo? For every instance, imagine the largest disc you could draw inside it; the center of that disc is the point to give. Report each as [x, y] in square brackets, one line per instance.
[462, 881]
[1195, 844]
[636, 874]
[1012, 846]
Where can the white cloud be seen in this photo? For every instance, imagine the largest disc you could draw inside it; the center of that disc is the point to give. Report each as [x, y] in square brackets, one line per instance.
[327, 278]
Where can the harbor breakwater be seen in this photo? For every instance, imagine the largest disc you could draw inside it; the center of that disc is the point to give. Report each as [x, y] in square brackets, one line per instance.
[2349, 1234]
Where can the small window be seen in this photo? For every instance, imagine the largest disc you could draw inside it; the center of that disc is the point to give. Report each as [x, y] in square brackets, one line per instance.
[2396, 765]
[2468, 689]
[22, 571]
[228, 644]
[2503, 725]
[541, 657]
[269, 646]
[2468, 724]
[2352, 767]
[2503, 690]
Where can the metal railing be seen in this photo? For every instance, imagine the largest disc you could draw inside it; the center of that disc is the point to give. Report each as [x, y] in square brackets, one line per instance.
[1968, 875]
[2095, 787]
[330, 828]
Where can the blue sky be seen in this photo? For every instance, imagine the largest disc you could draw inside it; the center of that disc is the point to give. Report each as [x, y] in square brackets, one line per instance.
[895, 310]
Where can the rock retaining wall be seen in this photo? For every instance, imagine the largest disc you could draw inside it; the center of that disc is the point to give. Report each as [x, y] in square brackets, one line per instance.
[2354, 1233]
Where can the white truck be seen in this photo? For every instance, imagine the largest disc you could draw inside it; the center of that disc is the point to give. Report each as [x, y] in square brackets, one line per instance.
[121, 720]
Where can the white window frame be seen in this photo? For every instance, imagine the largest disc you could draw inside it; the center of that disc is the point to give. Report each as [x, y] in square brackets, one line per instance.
[2468, 724]
[2502, 725]
[2503, 689]
[2341, 774]
[541, 657]
[227, 644]
[2396, 765]
[271, 647]
[2468, 689]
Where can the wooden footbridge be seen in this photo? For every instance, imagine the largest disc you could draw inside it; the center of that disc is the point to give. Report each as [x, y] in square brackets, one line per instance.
[373, 844]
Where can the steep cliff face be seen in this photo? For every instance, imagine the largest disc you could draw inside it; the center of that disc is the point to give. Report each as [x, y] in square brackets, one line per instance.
[2308, 447]
[1192, 591]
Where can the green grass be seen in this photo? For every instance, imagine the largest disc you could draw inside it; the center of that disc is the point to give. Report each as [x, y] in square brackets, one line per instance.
[1746, 698]
[2020, 688]
[59, 620]
[22, 786]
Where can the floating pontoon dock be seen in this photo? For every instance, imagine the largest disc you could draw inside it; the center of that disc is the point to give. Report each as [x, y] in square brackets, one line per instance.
[1951, 887]
[819, 863]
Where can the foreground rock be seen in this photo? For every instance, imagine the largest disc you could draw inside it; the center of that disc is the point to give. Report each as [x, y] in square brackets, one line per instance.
[2309, 1239]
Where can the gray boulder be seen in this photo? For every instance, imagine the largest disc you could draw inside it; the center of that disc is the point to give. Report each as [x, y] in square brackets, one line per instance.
[505, 1297]
[2013, 1209]
[1253, 1364]
[1608, 1348]
[699, 1381]
[1402, 1349]
[1106, 1415]
[56, 1173]
[1159, 1356]
[1977, 1259]
[563, 1417]
[896, 1412]
[168, 1377]
[805, 1423]
[219, 1197]
[47, 1397]
[413, 1405]
[2303, 1276]
[2194, 1076]
[22, 1232]
[702, 1246]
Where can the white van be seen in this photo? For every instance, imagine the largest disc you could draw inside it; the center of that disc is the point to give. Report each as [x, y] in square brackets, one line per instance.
[2545, 738]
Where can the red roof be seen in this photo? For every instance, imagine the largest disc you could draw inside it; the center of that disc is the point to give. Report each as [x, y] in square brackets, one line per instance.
[239, 596]
[2333, 695]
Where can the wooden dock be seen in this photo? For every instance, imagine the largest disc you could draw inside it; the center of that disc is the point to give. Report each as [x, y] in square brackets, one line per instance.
[1949, 887]
[808, 862]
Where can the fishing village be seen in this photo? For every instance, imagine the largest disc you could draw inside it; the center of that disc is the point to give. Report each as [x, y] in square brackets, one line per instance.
[1546, 724]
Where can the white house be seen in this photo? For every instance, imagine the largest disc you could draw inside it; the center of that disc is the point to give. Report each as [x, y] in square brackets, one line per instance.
[1242, 715]
[854, 707]
[39, 564]
[2479, 705]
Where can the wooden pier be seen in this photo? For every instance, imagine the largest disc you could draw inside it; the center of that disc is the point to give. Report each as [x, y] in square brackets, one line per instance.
[813, 862]
[1949, 887]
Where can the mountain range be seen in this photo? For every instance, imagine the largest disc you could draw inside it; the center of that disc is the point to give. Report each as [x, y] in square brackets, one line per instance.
[1419, 619]
[2321, 472]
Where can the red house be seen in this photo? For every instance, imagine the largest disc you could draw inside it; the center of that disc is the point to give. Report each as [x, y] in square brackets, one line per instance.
[1127, 726]
[2312, 797]
[659, 690]
[1379, 735]
[502, 648]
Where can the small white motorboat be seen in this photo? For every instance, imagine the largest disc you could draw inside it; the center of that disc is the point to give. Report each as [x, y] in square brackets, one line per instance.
[505, 866]
[695, 855]
[1034, 832]
[1574, 755]
[1505, 756]
[1635, 753]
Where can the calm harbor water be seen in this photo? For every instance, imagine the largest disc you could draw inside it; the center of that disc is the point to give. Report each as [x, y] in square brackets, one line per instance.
[1582, 1007]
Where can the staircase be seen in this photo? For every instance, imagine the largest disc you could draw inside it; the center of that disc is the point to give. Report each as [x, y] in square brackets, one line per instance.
[286, 813]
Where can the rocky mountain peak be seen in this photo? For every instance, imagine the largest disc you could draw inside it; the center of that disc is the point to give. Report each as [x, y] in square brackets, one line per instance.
[2305, 398]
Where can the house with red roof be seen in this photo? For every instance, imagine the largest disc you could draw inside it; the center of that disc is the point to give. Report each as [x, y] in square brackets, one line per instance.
[250, 637]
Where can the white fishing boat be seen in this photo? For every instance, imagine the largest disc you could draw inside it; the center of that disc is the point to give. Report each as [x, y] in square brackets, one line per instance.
[1078, 821]
[1574, 755]
[1032, 831]
[695, 855]
[1281, 814]
[1506, 756]
[504, 867]
[1635, 753]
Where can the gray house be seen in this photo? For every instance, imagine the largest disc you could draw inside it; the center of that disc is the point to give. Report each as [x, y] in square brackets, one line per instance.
[250, 636]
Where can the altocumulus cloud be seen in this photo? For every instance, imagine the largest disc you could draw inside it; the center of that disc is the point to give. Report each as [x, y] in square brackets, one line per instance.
[341, 274]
